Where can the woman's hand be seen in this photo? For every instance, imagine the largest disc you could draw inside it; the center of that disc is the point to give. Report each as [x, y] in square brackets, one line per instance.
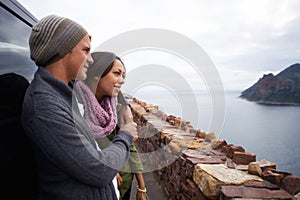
[141, 195]
[119, 179]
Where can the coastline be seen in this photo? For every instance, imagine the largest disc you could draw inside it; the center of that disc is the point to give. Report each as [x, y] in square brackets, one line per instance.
[271, 102]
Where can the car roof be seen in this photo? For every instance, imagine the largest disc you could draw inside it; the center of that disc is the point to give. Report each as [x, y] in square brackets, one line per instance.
[19, 11]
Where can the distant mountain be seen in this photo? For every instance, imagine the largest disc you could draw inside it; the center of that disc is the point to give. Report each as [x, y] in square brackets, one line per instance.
[282, 89]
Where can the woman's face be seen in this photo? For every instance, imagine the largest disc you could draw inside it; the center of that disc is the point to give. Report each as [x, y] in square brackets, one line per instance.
[110, 84]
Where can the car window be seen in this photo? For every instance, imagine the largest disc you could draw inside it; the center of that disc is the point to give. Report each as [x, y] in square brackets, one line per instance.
[14, 47]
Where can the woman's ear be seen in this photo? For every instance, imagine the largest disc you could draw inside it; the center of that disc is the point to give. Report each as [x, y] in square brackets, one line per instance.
[93, 83]
[96, 78]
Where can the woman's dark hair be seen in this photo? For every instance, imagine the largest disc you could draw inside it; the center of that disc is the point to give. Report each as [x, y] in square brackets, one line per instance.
[111, 65]
[103, 62]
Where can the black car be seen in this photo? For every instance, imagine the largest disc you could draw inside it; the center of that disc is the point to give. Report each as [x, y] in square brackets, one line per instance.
[18, 177]
[16, 24]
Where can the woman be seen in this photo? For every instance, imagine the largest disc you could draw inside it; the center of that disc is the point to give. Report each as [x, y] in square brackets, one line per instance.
[105, 78]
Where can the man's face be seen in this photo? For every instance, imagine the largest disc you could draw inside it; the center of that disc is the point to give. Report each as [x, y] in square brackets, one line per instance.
[79, 59]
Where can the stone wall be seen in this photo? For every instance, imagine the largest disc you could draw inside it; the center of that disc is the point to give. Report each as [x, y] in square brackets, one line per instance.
[192, 164]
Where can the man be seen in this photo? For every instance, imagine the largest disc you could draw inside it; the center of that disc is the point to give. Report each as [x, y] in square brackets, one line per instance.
[68, 163]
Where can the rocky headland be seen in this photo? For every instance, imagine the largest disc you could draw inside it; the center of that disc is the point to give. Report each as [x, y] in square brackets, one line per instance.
[280, 89]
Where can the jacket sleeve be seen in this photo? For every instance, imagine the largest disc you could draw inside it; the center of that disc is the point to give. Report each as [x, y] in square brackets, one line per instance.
[64, 143]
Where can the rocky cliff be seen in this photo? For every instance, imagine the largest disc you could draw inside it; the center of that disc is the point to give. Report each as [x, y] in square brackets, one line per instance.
[283, 88]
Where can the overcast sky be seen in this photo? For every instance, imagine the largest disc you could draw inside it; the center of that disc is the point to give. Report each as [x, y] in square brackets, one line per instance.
[243, 38]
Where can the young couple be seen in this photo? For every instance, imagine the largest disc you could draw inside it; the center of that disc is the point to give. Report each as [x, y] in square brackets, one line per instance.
[63, 127]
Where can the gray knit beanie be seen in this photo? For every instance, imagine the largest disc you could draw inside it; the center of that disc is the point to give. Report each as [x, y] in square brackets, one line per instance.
[52, 38]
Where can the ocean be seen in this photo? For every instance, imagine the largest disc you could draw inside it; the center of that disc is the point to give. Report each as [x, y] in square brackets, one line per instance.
[271, 132]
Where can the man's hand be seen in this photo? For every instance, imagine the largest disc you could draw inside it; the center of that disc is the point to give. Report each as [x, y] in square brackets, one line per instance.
[126, 122]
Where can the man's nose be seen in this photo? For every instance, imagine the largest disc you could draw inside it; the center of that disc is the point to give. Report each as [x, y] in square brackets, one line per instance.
[90, 59]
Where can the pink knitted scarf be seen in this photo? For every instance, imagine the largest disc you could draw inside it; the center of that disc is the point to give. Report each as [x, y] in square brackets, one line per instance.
[101, 117]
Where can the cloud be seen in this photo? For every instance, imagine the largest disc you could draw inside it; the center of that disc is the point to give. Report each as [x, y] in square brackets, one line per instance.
[239, 36]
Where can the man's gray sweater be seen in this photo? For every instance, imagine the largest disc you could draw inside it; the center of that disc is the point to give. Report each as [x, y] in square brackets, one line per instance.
[69, 165]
